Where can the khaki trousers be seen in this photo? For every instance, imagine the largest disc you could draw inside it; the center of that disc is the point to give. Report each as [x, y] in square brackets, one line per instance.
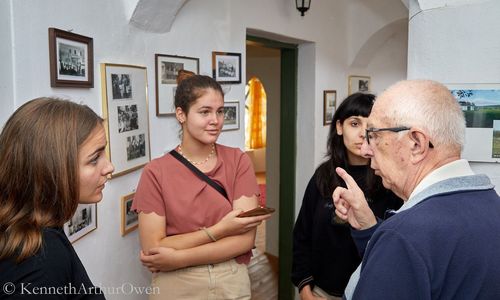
[226, 280]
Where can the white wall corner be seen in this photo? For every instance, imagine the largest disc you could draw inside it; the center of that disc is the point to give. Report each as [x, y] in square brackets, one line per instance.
[433, 4]
[156, 15]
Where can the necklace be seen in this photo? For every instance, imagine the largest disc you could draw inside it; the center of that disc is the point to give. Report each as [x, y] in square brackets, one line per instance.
[197, 163]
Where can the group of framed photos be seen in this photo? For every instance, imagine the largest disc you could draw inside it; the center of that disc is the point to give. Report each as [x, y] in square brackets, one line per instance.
[361, 84]
[226, 69]
[125, 107]
[84, 220]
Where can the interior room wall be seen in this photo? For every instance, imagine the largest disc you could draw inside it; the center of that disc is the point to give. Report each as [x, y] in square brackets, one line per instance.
[387, 64]
[199, 28]
[466, 54]
[6, 82]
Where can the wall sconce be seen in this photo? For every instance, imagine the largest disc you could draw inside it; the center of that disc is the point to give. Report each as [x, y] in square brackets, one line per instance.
[302, 6]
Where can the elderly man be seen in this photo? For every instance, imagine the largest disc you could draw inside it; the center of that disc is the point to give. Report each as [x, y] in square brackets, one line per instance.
[444, 242]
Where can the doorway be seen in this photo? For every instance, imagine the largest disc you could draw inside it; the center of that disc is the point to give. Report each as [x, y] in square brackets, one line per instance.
[281, 148]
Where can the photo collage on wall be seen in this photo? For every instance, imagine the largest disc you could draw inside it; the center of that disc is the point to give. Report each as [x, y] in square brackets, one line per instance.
[125, 106]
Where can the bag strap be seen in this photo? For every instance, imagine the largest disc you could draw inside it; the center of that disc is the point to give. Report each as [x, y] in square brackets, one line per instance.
[200, 174]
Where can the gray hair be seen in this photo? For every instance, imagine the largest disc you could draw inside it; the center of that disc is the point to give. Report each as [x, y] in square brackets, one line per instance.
[431, 106]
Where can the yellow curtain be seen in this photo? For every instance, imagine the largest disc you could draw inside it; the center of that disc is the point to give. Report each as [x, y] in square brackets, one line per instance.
[255, 111]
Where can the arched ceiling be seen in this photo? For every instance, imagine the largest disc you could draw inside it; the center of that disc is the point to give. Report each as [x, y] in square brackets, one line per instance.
[156, 15]
[376, 40]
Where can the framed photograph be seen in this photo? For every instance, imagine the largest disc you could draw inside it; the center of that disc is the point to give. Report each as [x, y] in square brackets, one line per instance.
[231, 115]
[71, 59]
[166, 67]
[329, 103]
[83, 221]
[130, 219]
[480, 105]
[226, 67]
[359, 84]
[125, 111]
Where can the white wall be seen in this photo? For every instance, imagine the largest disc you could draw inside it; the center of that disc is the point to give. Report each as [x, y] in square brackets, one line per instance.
[467, 54]
[6, 81]
[387, 63]
[375, 33]
[199, 28]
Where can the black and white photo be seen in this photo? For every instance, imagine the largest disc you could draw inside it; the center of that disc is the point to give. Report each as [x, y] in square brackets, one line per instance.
[130, 219]
[122, 87]
[127, 118]
[169, 71]
[361, 84]
[167, 68]
[83, 221]
[71, 59]
[231, 115]
[136, 146]
[226, 67]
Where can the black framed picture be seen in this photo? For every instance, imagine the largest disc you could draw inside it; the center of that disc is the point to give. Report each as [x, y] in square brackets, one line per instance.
[71, 59]
[226, 67]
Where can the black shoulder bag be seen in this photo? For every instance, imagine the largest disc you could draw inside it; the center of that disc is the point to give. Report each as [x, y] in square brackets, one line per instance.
[199, 173]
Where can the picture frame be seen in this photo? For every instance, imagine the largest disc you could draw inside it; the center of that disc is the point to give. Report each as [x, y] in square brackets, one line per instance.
[480, 104]
[329, 104]
[226, 67]
[71, 59]
[126, 117]
[231, 115]
[83, 222]
[360, 84]
[166, 68]
[130, 219]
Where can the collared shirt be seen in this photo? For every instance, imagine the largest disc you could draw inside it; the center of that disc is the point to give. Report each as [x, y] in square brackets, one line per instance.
[457, 168]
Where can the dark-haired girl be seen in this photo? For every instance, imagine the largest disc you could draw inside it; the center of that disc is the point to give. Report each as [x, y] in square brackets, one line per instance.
[324, 254]
[190, 232]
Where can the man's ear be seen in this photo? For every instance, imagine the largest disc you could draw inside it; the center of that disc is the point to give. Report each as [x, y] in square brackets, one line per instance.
[420, 144]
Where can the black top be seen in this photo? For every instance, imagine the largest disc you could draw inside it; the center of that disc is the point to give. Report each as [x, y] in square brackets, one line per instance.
[55, 272]
[324, 253]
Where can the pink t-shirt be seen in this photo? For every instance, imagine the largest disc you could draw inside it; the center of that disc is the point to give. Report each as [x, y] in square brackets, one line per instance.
[170, 189]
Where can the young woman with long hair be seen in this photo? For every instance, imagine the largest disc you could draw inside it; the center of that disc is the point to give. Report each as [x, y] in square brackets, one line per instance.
[51, 158]
[324, 254]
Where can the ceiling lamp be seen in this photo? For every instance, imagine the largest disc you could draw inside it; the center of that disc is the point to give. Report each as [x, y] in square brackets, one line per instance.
[302, 6]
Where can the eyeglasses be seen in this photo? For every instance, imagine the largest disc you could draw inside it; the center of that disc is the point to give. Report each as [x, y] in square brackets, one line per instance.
[391, 129]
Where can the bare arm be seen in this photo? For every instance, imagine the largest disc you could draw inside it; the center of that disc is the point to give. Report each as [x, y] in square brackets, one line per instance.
[166, 259]
[152, 228]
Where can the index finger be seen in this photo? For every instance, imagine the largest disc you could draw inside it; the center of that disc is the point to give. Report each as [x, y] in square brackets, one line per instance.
[349, 181]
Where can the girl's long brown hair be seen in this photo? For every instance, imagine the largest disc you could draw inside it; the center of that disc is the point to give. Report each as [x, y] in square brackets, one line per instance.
[39, 179]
